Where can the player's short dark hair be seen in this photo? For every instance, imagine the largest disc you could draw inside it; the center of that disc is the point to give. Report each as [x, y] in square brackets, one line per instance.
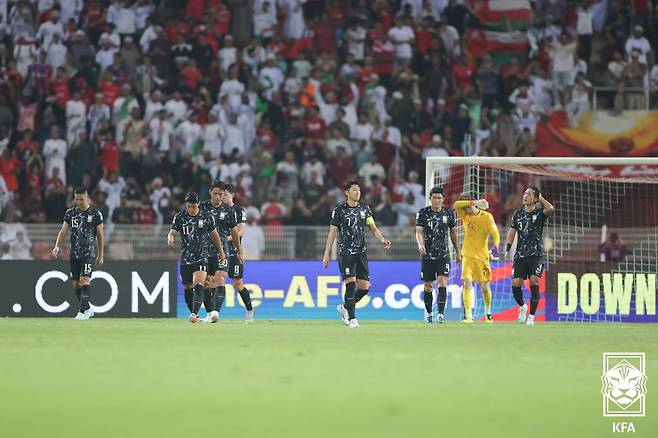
[349, 183]
[228, 187]
[535, 189]
[436, 190]
[80, 190]
[217, 184]
[192, 198]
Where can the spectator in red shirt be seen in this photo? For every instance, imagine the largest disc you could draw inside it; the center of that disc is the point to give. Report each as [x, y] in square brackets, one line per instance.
[144, 213]
[109, 89]
[325, 36]
[61, 87]
[272, 212]
[27, 147]
[314, 125]
[110, 153]
[195, 8]
[462, 71]
[93, 21]
[9, 166]
[341, 165]
[190, 75]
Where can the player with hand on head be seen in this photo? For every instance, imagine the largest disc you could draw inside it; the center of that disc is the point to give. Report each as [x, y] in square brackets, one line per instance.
[433, 225]
[528, 223]
[86, 224]
[231, 230]
[479, 224]
[350, 218]
[194, 226]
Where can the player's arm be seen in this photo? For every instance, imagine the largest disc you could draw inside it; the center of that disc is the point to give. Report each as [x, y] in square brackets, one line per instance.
[482, 204]
[548, 207]
[218, 243]
[60, 237]
[100, 237]
[171, 237]
[420, 240]
[495, 234]
[511, 234]
[333, 230]
[236, 236]
[455, 244]
[378, 234]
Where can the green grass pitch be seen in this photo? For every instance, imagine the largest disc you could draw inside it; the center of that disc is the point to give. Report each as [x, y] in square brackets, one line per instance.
[167, 378]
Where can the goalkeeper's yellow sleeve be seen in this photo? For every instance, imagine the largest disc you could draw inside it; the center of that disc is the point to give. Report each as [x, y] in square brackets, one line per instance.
[463, 204]
[493, 230]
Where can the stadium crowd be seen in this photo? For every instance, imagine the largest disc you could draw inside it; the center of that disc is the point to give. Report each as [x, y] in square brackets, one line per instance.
[141, 101]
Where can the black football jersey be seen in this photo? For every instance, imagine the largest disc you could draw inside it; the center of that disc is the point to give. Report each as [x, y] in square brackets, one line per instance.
[218, 214]
[83, 230]
[194, 233]
[529, 229]
[436, 226]
[240, 217]
[351, 222]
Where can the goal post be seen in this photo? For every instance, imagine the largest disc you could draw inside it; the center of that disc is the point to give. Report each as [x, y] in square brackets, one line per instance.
[601, 244]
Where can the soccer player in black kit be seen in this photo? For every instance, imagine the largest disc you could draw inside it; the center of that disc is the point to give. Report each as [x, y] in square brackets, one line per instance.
[194, 225]
[528, 222]
[86, 224]
[236, 217]
[433, 225]
[350, 219]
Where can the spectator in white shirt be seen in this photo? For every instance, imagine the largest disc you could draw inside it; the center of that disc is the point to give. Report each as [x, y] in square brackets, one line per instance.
[234, 142]
[356, 41]
[126, 20]
[227, 54]
[370, 169]
[402, 37]
[112, 185]
[233, 89]
[585, 27]
[49, 28]
[162, 132]
[264, 22]
[57, 52]
[105, 56]
[316, 167]
[253, 240]
[579, 100]
[562, 54]
[637, 41]
[270, 77]
[188, 133]
[176, 108]
[525, 119]
[363, 130]
[76, 117]
[450, 38]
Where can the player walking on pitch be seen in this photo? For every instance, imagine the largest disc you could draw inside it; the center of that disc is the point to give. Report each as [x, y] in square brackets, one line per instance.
[215, 291]
[234, 220]
[433, 225]
[478, 226]
[528, 223]
[350, 218]
[86, 224]
[194, 225]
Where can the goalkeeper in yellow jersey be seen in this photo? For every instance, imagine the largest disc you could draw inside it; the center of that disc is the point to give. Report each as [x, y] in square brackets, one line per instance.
[479, 224]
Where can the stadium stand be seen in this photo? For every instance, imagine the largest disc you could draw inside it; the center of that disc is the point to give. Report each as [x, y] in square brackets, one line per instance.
[142, 101]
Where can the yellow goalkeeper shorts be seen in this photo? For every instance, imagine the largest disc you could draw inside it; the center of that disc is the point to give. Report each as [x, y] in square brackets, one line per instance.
[476, 270]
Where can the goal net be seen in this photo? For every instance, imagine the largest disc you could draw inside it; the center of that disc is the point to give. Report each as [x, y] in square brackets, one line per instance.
[601, 244]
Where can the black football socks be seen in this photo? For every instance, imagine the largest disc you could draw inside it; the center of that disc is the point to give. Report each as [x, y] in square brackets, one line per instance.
[534, 299]
[246, 299]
